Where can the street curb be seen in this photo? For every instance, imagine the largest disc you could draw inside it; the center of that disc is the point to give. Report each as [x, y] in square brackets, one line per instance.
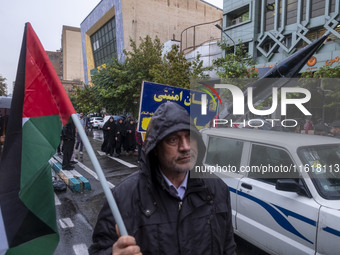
[74, 180]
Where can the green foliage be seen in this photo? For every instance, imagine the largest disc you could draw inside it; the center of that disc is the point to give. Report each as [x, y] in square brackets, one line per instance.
[240, 65]
[237, 69]
[323, 72]
[3, 86]
[324, 87]
[86, 100]
[174, 69]
[197, 69]
[117, 86]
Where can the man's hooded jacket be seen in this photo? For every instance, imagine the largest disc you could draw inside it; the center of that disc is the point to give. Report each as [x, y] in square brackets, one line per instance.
[161, 222]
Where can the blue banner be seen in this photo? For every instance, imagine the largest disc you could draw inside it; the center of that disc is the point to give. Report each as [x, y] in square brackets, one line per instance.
[154, 94]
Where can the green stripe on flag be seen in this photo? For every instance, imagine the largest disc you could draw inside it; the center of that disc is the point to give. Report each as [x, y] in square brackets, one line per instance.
[46, 244]
[40, 138]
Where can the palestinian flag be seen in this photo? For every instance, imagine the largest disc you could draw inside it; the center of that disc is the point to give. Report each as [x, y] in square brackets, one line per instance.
[40, 107]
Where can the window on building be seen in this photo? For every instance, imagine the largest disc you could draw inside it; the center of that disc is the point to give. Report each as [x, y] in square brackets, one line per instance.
[292, 7]
[238, 16]
[317, 8]
[270, 13]
[288, 41]
[103, 42]
[268, 45]
[332, 7]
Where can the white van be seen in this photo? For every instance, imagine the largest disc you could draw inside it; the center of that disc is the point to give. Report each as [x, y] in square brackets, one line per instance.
[292, 212]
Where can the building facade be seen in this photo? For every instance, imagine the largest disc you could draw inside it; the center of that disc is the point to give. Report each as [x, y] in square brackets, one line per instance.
[56, 60]
[107, 30]
[72, 58]
[72, 54]
[274, 29]
[68, 61]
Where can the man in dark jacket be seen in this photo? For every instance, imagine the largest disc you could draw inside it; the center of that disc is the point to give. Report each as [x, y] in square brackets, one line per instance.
[69, 138]
[164, 210]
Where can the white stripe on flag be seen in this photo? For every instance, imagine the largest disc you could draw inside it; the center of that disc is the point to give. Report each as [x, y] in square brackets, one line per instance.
[24, 121]
[3, 239]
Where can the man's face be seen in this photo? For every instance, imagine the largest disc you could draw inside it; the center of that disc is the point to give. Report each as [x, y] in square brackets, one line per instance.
[176, 152]
[81, 115]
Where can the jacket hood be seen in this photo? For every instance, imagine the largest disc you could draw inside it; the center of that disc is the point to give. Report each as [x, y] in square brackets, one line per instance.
[168, 118]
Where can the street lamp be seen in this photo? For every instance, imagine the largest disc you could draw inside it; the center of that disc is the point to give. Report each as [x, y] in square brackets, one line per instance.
[220, 28]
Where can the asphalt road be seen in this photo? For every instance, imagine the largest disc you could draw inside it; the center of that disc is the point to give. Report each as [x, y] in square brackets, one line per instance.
[77, 211]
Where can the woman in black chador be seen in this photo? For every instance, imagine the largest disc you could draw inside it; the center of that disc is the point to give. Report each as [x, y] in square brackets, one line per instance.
[110, 128]
[120, 134]
[130, 137]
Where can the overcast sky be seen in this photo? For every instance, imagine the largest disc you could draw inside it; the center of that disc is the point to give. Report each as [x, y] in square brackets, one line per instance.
[47, 18]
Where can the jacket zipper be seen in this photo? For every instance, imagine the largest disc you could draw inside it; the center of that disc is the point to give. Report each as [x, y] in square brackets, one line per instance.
[211, 236]
[179, 209]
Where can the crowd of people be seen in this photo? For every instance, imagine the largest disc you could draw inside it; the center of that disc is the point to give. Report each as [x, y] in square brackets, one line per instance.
[118, 137]
[121, 136]
[320, 128]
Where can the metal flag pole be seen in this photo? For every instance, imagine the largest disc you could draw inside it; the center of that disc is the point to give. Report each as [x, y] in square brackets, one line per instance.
[112, 203]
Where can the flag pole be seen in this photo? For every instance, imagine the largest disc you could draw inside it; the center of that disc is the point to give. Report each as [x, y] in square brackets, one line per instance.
[112, 203]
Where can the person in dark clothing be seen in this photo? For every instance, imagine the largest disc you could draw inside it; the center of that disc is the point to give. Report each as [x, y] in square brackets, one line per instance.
[130, 137]
[60, 147]
[336, 129]
[126, 122]
[105, 140]
[321, 128]
[165, 211]
[110, 127]
[2, 122]
[120, 136]
[139, 142]
[69, 138]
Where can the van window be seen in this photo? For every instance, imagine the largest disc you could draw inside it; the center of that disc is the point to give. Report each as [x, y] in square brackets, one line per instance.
[323, 163]
[270, 164]
[224, 151]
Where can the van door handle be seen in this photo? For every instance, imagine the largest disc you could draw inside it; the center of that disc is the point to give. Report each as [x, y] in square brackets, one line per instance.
[247, 186]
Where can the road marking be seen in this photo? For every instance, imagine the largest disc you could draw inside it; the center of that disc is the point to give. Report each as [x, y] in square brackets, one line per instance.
[123, 162]
[75, 173]
[80, 249]
[56, 200]
[89, 171]
[129, 165]
[66, 223]
[101, 153]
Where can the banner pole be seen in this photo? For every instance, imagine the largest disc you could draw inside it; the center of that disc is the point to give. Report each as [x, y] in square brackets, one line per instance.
[112, 203]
